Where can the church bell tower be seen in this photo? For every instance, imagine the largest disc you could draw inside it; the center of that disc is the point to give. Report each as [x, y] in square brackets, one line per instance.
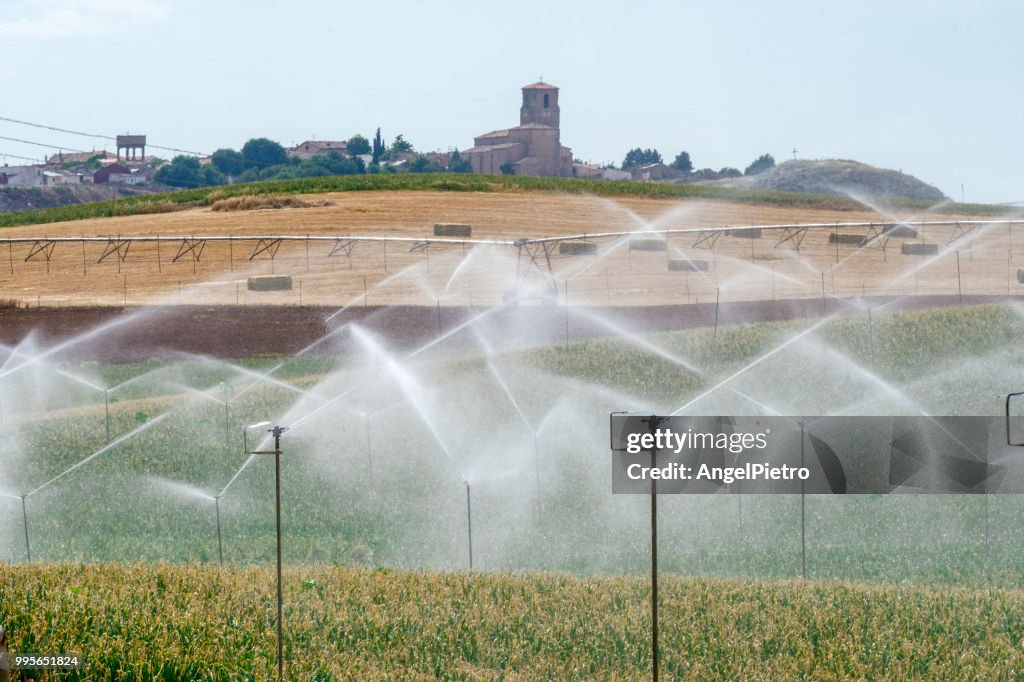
[540, 105]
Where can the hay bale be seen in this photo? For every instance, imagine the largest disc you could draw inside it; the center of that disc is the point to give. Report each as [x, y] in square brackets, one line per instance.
[269, 283]
[745, 232]
[576, 248]
[684, 265]
[918, 249]
[900, 232]
[648, 244]
[452, 230]
[845, 238]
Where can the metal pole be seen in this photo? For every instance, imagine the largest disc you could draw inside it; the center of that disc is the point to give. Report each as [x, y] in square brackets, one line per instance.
[566, 313]
[871, 334]
[536, 466]
[369, 447]
[24, 515]
[280, 599]
[959, 287]
[654, 572]
[220, 545]
[440, 334]
[822, 293]
[803, 515]
[469, 525]
[714, 338]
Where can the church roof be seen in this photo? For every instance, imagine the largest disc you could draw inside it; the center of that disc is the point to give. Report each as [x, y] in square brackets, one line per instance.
[494, 133]
[539, 85]
[490, 147]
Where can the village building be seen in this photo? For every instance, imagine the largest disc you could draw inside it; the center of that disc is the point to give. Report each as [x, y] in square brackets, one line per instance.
[119, 174]
[310, 148]
[78, 157]
[531, 148]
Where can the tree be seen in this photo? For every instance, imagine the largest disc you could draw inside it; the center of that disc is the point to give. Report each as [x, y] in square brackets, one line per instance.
[186, 171]
[683, 162]
[259, 153]
[400, 146]
[507, 169]
[379, 149]
[729, 172]
[640, 157]
[457, 164]
[760, 164]
[357, 144]
[421, 164]
[228, 161]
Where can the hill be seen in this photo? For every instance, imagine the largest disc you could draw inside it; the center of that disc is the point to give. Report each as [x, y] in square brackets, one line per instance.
[838, 176]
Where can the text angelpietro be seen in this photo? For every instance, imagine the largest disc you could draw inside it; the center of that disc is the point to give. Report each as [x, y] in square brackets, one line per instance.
[751, 471]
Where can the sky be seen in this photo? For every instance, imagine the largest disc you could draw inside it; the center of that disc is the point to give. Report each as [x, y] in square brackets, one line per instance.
[935, 89]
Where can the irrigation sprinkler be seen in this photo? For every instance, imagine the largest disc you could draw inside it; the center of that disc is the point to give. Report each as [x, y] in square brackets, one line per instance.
[536, 468]
[803, 510]
[276, 432]
[652, 423]
[220, 545]
[369, 447]
[469, 525]
[714, 338]
[24, 516]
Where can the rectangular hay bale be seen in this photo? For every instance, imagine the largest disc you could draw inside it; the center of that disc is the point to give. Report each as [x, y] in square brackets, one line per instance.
[576, 248]
[648, 244]
[269, 283]
[452, 230]
[684, 265]
[918, 249]
[900, 232]
[845, 238]
[745, 232]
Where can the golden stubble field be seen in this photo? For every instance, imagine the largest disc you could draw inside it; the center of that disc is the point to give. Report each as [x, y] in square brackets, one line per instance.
[738, 268]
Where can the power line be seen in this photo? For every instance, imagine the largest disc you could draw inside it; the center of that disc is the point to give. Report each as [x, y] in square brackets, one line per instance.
[15, 156]
[40, 144]
[84, 134]
[60, 130]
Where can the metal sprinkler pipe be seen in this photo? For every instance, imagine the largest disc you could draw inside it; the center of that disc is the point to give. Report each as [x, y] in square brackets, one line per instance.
[276, 432]
[469, 525]
[24, 515]
[220, 545]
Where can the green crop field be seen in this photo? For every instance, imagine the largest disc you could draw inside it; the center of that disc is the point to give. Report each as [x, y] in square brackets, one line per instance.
[123, 527]
[161, 622]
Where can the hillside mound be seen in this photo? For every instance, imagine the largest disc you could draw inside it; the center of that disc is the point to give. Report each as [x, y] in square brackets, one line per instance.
[836, 176]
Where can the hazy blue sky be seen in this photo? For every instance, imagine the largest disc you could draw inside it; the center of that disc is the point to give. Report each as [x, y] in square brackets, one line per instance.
[933, 88]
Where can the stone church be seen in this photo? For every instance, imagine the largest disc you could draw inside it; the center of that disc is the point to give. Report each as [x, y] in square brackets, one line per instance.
[531, 148]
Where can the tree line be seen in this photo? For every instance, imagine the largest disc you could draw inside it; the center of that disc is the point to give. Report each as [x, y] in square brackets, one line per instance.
[264, 159]
[635, 158]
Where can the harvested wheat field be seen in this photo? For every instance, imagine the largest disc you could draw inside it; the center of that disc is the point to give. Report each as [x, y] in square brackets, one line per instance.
[737, 267]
